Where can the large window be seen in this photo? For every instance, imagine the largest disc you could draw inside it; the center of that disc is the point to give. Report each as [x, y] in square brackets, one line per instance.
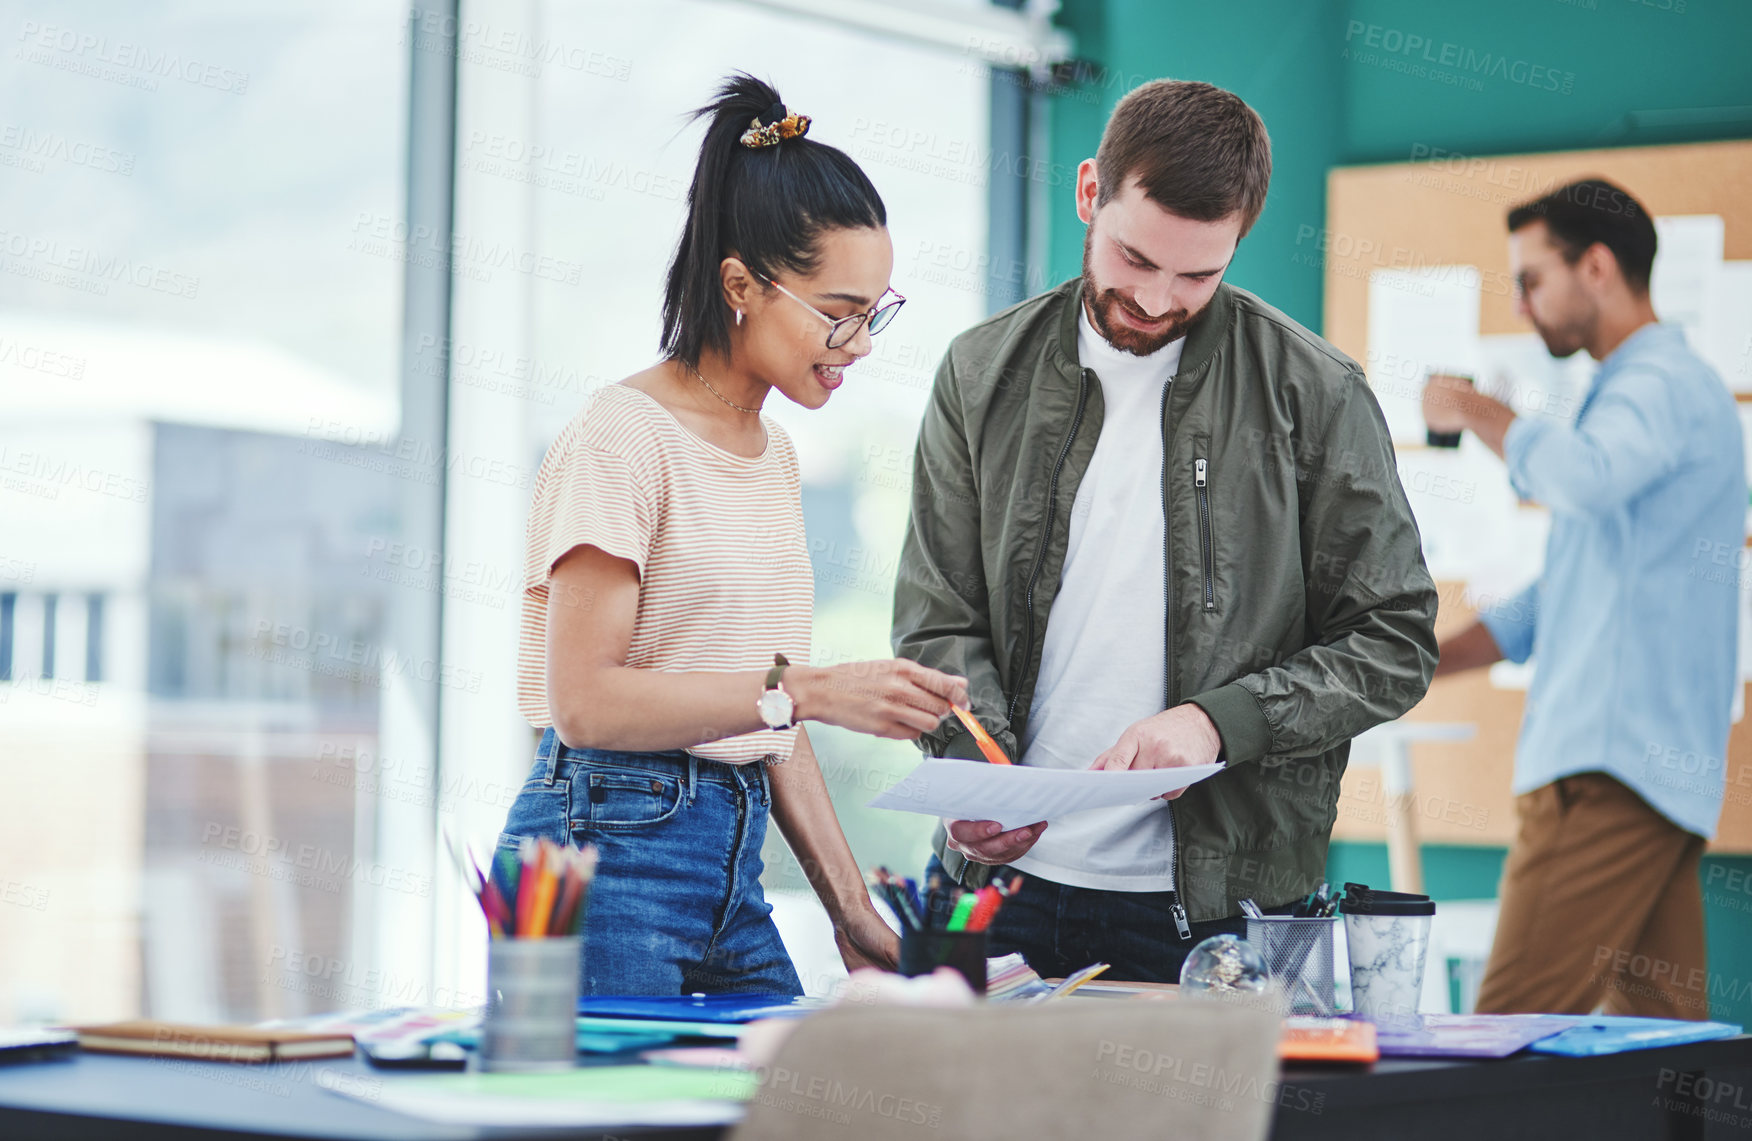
[572, 142]
[228, 741]
[190, 332]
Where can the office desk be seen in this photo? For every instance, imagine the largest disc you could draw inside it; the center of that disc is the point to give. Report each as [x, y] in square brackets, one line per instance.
[1627, 1095]
[102, 1097]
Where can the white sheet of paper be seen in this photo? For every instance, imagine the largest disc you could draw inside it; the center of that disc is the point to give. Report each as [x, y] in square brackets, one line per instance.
[1015, 795]
[1688, 256]
[1726, 342]
[1421, 320]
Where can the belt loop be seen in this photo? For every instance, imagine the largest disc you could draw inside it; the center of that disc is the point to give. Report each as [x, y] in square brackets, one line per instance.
[550, 755]
[693, 772]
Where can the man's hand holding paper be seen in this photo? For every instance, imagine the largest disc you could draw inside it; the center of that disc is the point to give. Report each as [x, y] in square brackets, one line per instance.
[1178, 737]
[1171, 739]
[986, 842]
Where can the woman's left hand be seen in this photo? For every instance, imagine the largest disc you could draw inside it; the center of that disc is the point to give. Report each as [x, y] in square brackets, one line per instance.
[866, 941]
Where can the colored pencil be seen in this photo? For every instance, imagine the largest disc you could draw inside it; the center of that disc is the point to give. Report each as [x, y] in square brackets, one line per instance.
[992, 751]
[529, 855]
[546, 887]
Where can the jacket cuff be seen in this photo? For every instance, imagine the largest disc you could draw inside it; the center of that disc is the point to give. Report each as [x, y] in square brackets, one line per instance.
[963, 747]
[955, 865]
[1239, 720]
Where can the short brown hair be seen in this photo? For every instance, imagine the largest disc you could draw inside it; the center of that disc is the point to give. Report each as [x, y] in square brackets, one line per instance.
[1594, 210]
[1199, 151]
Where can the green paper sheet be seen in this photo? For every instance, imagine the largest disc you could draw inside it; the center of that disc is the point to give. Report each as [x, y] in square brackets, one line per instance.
[600, 1083]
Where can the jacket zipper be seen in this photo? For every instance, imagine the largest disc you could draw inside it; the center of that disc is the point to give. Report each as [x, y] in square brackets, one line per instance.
[1175, 908]
[1199, 481]
[1045, 540]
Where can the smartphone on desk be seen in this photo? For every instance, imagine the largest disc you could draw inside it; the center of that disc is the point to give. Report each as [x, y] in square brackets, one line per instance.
[392, 1055]
[34, 1044]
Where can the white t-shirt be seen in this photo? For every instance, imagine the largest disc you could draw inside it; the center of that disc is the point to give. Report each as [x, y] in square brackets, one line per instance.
[1103, 666]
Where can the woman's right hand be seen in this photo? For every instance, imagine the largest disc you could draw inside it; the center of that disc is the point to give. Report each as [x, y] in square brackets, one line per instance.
[892, 697]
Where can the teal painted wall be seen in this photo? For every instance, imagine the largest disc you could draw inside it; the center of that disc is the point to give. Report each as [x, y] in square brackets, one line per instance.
[1543, 75]
[1269, 54]
[1340, 82]
[1451, 871]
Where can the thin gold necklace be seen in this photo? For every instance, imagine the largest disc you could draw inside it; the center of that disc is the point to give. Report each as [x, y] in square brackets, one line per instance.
[720, 395]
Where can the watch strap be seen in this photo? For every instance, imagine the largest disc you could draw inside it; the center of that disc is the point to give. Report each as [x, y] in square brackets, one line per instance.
[772, 677]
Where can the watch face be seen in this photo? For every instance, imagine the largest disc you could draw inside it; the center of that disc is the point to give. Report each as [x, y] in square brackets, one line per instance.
[776, 707]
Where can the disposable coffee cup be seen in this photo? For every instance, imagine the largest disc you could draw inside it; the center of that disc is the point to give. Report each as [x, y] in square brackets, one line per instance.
[1443, 439]
[1388, 933]
[532, 1008]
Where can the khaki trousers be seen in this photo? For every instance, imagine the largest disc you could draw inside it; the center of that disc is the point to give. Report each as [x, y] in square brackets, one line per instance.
[1600, 904]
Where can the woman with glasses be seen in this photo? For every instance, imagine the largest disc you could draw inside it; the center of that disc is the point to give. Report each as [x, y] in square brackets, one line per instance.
[666, 621]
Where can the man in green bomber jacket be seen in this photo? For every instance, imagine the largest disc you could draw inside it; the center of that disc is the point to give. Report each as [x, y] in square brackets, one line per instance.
[1157, 523]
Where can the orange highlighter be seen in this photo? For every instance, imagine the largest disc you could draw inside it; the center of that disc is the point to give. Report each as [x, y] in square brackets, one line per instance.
[993, 752]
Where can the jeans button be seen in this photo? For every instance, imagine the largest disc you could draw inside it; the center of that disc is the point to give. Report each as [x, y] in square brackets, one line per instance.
[656, 785]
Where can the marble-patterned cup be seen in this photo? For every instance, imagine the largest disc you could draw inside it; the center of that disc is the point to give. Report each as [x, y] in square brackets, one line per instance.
[1389, 938]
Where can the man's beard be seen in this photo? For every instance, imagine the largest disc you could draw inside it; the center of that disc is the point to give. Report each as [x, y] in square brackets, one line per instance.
[1104, 303]
[1564, 341]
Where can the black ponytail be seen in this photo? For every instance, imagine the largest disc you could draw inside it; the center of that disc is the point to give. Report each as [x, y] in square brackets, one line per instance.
[767, 206]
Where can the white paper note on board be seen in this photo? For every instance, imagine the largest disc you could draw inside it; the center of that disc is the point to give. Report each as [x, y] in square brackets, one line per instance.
[1420, 321]
[1688, 256]
[1726, 342]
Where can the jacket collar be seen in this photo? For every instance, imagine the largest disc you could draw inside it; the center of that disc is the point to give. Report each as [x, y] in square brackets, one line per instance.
[1202, 340]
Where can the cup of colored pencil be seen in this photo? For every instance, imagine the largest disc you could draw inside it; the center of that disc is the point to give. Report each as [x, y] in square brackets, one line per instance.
[945, 925]
[534, 897]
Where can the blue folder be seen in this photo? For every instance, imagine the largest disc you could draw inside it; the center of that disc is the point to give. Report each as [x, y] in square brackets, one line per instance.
[1608, 1034]
[719, 1008]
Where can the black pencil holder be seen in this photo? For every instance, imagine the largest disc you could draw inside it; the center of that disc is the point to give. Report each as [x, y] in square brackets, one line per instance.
[922, 952]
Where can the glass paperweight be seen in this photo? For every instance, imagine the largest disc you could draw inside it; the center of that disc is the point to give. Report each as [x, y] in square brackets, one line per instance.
[1227, 964]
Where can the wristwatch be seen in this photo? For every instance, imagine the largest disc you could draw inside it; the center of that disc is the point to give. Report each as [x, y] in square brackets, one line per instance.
[776, 706]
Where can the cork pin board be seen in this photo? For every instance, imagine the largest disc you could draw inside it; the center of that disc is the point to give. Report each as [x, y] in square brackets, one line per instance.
[1450, 210]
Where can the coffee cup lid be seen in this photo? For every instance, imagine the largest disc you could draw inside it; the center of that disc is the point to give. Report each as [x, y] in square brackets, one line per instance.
[1360, 899]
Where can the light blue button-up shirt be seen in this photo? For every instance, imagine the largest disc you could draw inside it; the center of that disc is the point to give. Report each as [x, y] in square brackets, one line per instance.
[1634, 622]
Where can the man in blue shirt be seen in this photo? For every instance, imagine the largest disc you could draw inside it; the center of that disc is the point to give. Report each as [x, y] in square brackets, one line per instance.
[1621, 764]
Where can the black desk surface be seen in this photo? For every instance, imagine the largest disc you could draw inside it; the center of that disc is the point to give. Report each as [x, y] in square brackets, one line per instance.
[1644, 1094]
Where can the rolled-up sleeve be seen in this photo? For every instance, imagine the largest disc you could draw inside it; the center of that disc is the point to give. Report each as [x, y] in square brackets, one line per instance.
[1628, 437]
[1513, 622]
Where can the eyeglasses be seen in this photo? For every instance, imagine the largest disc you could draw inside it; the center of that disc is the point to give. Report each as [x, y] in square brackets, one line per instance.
[842, 329]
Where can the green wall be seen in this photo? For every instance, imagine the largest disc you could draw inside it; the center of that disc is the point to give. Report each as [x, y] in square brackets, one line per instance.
[1340, 82]
[1267, 54]
[1320, 73]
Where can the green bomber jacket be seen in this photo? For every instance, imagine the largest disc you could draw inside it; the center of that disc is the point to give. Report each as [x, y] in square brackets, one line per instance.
[1300, 612]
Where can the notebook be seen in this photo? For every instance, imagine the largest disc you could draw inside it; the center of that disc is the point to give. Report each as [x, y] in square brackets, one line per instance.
[210, 1043]
[1608, 1034]
[698, 1007]
[1468, 1035]
[1310, 1039]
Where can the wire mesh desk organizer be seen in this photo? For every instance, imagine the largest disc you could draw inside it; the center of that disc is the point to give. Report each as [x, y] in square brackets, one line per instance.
[1297, 949]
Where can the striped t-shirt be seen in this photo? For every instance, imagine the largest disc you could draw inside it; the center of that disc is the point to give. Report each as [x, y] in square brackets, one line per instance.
[724, 575]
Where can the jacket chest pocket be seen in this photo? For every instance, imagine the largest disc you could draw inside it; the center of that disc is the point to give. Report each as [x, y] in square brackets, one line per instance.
[1202, 490]
[628, 799]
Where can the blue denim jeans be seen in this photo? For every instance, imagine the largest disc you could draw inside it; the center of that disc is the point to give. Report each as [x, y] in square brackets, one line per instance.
[677, 906]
